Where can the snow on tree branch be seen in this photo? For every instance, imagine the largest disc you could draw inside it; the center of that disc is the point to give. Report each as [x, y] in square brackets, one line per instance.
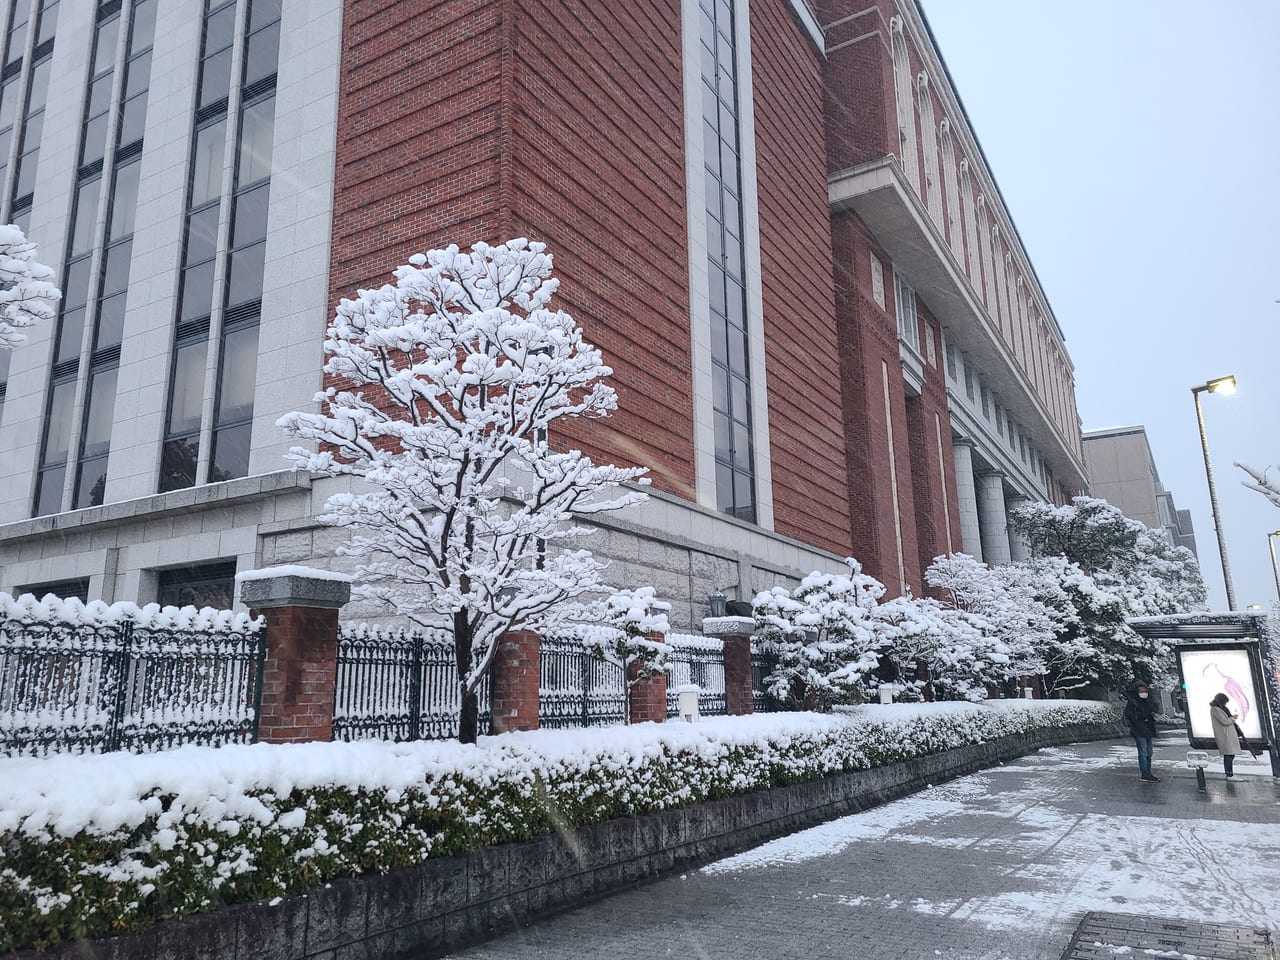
[1262, 483]
[446, 384]
[27, 293]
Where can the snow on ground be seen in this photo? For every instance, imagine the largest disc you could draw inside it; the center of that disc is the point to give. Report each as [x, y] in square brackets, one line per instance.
[1062, 858]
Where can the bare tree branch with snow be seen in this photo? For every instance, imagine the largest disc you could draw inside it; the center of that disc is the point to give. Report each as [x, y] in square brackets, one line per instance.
[27, 292]
[1262, 483]
[450, 379]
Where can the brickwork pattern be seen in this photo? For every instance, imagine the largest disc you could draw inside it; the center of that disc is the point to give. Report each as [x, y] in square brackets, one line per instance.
[737, 675]
[647, 698]
[517, 674]
[299, 676]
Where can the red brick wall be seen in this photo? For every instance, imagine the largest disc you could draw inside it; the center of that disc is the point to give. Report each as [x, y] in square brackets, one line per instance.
[810, 492]
[299, 676]
[868, 340]
[861, 117]
[597, 171]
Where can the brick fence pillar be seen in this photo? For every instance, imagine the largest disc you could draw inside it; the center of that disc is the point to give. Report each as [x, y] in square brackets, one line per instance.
[300, 672]
[517, 675]
[647, 699]
[735, 633]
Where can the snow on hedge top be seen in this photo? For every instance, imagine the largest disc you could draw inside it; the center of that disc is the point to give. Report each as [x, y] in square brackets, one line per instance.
[27, 609]
[64, 794]
[293, 570]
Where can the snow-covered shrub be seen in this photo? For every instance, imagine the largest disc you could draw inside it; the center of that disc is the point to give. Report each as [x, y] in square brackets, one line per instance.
[960, 649]
[91, 845]
[632, 618]
[824, 634]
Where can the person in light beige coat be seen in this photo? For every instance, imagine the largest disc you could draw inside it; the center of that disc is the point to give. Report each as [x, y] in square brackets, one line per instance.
[1224, 732]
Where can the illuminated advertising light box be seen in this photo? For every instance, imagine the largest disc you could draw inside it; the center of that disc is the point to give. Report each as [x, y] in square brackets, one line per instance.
[1209, 672]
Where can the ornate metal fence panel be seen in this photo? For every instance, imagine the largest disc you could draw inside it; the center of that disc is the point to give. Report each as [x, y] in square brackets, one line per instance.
[697, 660]
[399, 685]
[68, 687]
[578, 689]
[763, 664]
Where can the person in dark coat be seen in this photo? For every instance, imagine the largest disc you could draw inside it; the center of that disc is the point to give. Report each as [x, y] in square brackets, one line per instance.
[1140, 718]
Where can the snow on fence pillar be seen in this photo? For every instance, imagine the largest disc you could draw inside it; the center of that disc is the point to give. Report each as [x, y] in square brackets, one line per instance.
[300, 672]
[517, 677]
[735, 633]
[647, 698]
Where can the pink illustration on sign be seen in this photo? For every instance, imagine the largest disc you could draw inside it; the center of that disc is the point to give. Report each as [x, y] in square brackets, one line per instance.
[1233, 689]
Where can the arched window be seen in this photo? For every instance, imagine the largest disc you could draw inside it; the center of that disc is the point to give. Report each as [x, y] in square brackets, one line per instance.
[970, 225]
[932, 182]
[954, 227]
[988, 263]
[907, 152]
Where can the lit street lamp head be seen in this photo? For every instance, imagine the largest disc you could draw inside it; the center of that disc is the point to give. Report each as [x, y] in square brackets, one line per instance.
[1223, 385]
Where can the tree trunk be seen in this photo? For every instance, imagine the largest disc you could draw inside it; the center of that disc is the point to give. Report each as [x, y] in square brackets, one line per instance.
[469, 715]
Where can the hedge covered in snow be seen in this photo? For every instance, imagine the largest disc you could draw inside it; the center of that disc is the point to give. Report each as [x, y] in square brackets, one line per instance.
[91, 845]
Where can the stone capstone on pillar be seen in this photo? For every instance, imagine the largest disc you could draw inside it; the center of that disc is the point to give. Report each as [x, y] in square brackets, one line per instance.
[735, 633]
[300, 668]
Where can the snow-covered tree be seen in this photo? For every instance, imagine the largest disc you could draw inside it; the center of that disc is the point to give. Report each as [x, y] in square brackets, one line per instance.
[28, 294]
[630, 619]
[446, 383]
[960, 649]
[1262, 483]
[1088, 531]
[1007, 598]
[1158, 578]
[825, 636]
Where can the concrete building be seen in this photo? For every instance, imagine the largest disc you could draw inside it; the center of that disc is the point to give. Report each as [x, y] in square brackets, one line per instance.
[1122, 471]
[775, 220]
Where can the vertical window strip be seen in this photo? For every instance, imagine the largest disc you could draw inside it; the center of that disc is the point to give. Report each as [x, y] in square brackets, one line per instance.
[932, 183]
[28, 155]
[726, 261]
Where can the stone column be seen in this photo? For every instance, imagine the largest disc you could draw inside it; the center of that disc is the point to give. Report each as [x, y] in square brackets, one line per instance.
[967, 498]
[300, 672]
[991, 518]
[735, 633]
[1018, 549]
[516, 678]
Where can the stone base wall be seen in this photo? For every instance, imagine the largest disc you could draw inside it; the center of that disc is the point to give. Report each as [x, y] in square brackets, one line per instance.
[427, 910]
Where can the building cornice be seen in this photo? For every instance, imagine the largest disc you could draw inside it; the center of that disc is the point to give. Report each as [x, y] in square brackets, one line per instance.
[809, 24]
[858, 188]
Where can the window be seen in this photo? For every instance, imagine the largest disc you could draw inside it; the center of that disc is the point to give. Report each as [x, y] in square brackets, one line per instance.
[905, 103]
[955, 228]
[57, 445]
[202, 585]
[726, 264]
[970, 225]
[65, 589]
[951, 359]
[968, 378]
[932, 180]
[905, 303]
[237, 381]
[999, 415]
[929, 351]
[133, 111]
[986, 400]
[186, 407]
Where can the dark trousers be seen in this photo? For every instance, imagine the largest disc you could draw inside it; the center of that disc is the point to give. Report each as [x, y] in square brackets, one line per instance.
[1228, 763]
[1144, 755]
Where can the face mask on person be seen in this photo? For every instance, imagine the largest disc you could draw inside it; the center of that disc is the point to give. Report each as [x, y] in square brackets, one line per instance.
[1143, 694]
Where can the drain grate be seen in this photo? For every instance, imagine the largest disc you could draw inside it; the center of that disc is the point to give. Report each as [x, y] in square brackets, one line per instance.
[1111, 935]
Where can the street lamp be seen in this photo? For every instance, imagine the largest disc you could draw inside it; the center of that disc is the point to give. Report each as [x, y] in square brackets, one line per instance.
[1223, 385]
[1275, 567]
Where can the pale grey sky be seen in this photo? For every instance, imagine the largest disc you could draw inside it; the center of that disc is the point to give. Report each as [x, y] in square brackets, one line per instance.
[1136, 143]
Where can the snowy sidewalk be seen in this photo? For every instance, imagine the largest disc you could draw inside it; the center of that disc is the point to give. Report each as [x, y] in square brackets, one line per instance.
[1000, 865]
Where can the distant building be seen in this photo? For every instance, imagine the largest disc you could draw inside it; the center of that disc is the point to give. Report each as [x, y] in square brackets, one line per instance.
[1123, 472]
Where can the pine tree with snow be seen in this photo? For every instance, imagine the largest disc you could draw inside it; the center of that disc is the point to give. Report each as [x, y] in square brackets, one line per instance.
[628, 622]
[446, 383]
[1158, 578]
[1088, 531]
[28, 294]
[825, 636]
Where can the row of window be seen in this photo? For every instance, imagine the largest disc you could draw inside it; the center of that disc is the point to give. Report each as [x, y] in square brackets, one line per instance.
[978, 243]
[200, 585]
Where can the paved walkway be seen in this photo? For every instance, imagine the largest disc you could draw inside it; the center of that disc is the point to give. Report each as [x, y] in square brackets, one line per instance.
[1000, 865]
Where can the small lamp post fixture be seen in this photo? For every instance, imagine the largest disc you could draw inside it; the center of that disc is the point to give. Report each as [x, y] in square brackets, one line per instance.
[718, 603]
[1275, 566]
[1226, 386]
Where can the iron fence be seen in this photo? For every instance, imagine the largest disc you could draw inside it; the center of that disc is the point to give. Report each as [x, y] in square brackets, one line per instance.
[70, 687]
[763, 664]
[697, 660]
[577, 688]
[400, 684]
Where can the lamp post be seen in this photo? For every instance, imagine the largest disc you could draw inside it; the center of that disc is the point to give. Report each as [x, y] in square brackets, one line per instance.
[1223, 385]
[1275, 567]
